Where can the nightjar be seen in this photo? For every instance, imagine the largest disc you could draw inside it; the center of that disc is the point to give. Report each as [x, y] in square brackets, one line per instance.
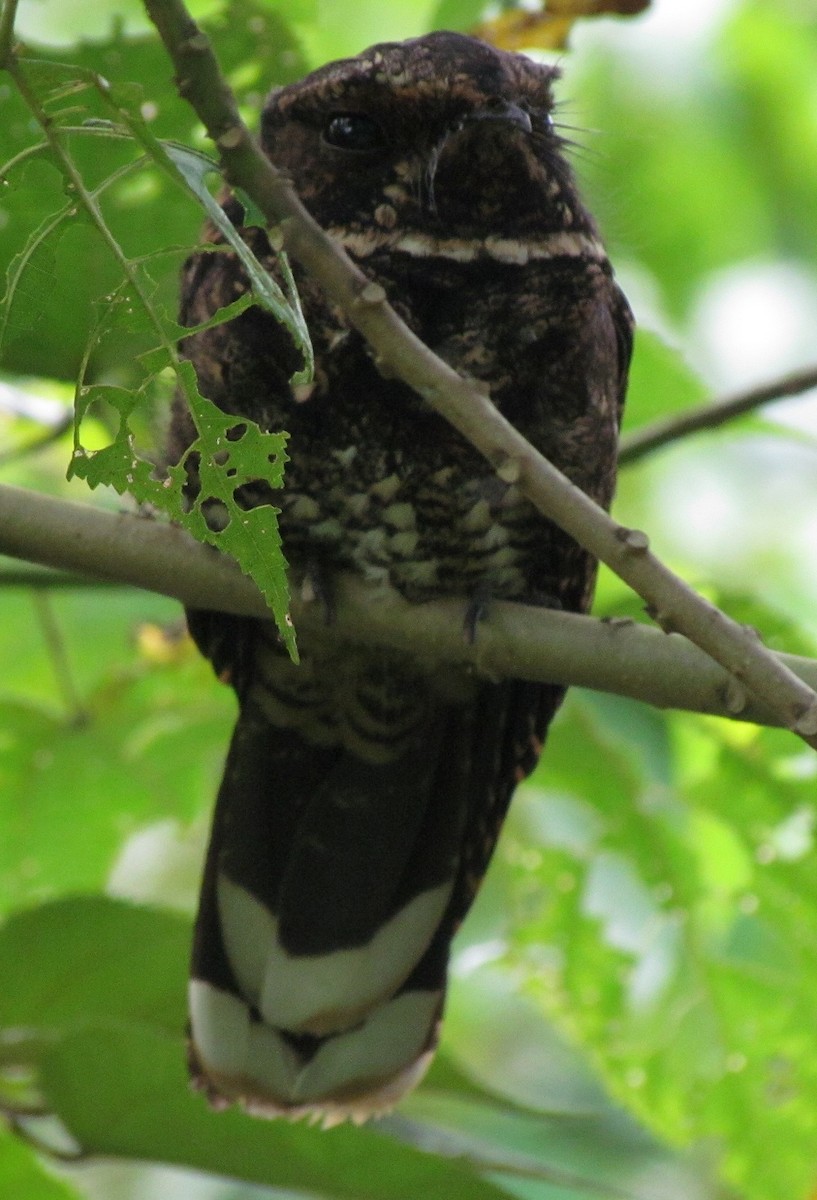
[364, 789]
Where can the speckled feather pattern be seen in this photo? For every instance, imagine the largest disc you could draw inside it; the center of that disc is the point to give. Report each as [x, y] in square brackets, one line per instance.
[467, 214]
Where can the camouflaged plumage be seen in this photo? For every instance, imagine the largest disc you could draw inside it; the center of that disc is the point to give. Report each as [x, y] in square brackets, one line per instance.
[365, 789]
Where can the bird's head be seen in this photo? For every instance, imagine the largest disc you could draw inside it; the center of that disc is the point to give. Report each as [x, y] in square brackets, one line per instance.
[440, 137]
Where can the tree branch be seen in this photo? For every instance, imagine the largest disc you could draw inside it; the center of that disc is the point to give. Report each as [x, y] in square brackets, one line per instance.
[712, 414]
[7, 17]
[514, 640]
[122, 548]
[37, 579]
[674, 605]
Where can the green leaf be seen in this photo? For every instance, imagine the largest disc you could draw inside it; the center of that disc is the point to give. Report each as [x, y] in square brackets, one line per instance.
[93, 961]
[23, 1176]
[457, 14]
[680, 929]
[150, 748]
[72, 961]
[123, 1091]
[194, 168]
[223, 466]
[231, 453]
[185, 166]
[562, 1157]
[28, 273]
[661, 382]
[247, 34]
[228, 454]
[539, 1101]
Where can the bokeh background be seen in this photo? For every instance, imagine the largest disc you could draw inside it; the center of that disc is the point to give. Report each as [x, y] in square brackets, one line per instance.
[632, 1005]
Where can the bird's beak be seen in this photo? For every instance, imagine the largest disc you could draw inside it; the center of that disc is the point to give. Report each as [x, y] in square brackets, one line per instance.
[502, 110]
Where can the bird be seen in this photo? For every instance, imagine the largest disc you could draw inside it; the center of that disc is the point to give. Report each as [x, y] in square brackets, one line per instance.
[365, 788]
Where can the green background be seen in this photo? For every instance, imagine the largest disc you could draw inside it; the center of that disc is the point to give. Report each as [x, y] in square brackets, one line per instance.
[632, 1008]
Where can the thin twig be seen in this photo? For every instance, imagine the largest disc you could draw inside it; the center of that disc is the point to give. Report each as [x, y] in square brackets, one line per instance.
[712, 414]
[57, 652]
[674, 605]
[7, 18]
[515, 641]
[37, 578]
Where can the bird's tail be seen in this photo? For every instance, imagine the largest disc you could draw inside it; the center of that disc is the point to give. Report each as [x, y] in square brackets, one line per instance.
[360, 804]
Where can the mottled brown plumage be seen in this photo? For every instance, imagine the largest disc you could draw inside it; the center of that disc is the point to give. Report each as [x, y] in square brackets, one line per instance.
[364, 790]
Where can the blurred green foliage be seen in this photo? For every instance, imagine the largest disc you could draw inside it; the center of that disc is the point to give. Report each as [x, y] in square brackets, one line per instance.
[631, 1012]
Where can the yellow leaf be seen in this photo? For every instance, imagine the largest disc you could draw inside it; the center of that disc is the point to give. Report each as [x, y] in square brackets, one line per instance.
[596, 8]
[163, 646]
[548, 30]
[520, 30]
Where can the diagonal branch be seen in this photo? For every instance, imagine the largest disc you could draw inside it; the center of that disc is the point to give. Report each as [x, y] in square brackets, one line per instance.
[675, 605]
[712, 414]
[514, 640]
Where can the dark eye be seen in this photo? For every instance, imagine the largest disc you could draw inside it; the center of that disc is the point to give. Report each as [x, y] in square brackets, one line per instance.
[354, 131]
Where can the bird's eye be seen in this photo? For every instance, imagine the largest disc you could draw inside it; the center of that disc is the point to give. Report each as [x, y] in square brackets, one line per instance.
[355, 132]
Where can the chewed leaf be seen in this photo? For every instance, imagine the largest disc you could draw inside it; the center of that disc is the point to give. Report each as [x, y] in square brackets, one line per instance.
[229, 453]
[251, 536]
[116, 465]
[235, 466]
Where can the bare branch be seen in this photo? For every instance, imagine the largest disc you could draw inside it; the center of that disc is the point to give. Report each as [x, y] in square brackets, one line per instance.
[712, 414]
[7, 17]
[514, 640]
[121, 547]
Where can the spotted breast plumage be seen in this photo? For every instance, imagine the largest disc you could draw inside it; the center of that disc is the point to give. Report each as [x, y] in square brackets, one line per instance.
[364, 789]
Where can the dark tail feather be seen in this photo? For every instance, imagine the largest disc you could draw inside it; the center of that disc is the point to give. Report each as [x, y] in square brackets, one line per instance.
[352, 827]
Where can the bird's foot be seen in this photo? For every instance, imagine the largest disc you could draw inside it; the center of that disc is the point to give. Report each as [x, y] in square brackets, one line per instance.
[480, 603]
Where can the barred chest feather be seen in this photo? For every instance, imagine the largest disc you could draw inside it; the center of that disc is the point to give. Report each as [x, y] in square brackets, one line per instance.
[381, 485]
[388, 539]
